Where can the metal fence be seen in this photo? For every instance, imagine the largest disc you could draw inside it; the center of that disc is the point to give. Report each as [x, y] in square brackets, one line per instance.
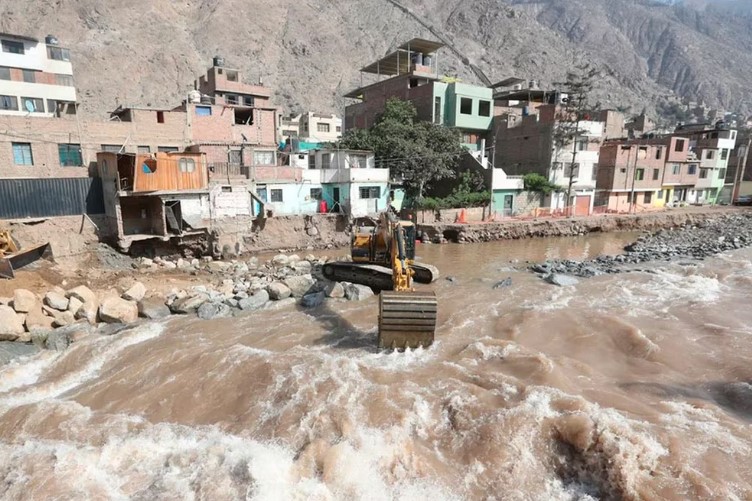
[49, 197]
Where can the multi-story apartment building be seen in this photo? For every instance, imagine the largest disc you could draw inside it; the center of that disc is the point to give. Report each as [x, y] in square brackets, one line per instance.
[321, 128]
[529, 137]
[36, 78]
[288, 127]
[412, 74]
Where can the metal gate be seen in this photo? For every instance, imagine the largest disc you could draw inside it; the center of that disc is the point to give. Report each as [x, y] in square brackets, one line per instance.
[49, 197]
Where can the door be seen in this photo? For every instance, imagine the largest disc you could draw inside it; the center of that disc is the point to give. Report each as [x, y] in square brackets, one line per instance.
[335, 199]
[508, 205]
[582, 205]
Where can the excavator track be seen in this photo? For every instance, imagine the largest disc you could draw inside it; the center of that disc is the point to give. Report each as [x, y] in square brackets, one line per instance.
[375, 276]
[407, 319]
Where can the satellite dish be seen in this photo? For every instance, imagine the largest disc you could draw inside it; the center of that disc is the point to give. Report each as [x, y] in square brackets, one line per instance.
[29, 105]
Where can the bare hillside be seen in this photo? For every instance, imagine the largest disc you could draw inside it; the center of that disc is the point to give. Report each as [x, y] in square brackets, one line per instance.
[149, 51]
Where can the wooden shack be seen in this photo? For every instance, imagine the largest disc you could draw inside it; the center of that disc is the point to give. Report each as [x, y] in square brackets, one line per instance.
[154, 172]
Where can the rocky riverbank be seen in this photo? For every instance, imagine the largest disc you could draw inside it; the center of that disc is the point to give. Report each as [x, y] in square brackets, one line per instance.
[690, 241]
[30, 321]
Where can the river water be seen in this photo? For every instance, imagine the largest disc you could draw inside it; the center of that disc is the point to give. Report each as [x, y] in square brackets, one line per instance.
[630, 386]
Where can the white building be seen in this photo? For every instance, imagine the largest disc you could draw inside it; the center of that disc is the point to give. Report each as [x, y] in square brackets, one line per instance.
[319, 127]
[36, 78]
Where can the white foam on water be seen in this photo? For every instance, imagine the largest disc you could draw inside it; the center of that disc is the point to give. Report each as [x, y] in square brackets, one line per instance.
[26, 371]
[108, 349]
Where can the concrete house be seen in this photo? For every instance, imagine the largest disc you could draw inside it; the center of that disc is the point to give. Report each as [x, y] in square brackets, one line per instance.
[159, 196]
[320, 127]
[526, 123]
[630, 176]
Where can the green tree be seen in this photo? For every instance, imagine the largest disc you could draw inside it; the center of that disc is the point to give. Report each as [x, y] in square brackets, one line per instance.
[418, 152]
[535, 182]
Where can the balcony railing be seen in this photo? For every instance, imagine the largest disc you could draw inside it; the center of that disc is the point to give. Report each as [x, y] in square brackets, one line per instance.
[219, 171]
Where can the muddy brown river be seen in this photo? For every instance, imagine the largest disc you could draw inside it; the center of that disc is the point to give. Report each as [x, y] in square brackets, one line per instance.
[629, 386]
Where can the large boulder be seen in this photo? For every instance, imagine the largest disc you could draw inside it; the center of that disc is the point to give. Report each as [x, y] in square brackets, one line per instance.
[278, 290]
[74, 304]
[153, 308]
[211, 309]
[357, 292]
[56, 300]
[334, 290]
[313, 299]
[280, 260]
[117, 310]
[561, 280]
[61, 338]
[24, 300]
[300, 285]
[254, 302]
[302, 266]
[63, 318]
[11, 324]
[282, 303]
[136, 292]
[37, 321]
[10, 351]
[83, 294]
[188, 304]
[87, 311]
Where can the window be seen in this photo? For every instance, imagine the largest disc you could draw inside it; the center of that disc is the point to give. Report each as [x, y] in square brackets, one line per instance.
[713, 135]
[704, 173]
[22, 154]
[322, 127]
[235, 157]
[248, 100]
[722, 174]
[469, 138]
[370, 192]
[112, 148]
[357, 161]
[29, 76]
[70, 155]
[632, 197]
[32, 104]
[692, 170]
[660, 194]
[231, 99]
[66, 80]
[263, 158]
[311, 160]
[58, 53]
[724, 153]
[326, 160]
[276, 195]
[582, 145]
[710, 154]
[679, 146]
[733, 134]
[167, 149]
[187, 165]
[595, 172]
[466, 106]
[4, 73]
[338, 128]
[658, 153]
[160, 117]
[640, 174]
[572, 170]
[623, 170]
[484, 108]
[9, 103]
[656, 173]
[316, 194]
[144, 149]
[232, 76]
[676, 169]
[203, 111]
[437, 110]
[648, 197]
[13, 47]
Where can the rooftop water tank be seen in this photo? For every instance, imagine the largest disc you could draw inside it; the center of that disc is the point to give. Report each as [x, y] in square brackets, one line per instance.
[51, 40]
[194, 96]
[219, 61]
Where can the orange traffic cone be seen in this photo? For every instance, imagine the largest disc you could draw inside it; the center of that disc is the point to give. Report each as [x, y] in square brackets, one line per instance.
[461, 217]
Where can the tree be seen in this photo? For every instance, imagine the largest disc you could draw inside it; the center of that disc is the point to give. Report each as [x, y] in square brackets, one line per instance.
[418, 152]
[567, 132]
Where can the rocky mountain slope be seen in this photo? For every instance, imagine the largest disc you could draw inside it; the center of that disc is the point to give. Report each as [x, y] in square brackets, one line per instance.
[309, 51]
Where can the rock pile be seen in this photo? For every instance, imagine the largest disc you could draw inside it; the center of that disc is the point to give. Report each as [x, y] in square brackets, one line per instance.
[60, 317]
[690, 241]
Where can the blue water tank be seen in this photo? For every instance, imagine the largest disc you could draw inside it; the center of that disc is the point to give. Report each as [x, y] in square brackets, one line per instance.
[525, 111]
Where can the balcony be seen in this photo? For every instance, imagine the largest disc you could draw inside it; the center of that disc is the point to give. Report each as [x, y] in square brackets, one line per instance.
[224, 171]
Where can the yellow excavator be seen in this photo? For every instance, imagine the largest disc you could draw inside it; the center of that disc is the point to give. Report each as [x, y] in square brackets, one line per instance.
[383, 258]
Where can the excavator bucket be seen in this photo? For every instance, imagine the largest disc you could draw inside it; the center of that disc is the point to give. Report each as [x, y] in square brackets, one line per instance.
[407, 319]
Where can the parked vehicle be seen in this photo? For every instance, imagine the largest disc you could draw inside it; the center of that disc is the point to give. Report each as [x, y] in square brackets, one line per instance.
[744, 200]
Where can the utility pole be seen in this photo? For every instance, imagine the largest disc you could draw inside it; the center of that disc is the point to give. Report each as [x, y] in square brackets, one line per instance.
[632, 204]
[574, 157]
[739, 177]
